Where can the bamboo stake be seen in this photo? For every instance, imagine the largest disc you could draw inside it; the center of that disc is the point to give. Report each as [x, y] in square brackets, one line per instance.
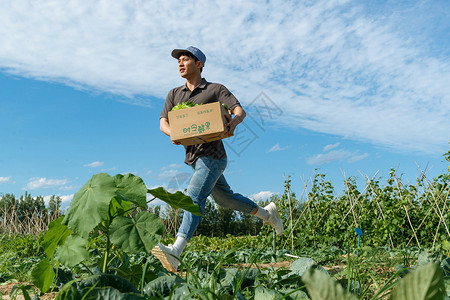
[409, 220]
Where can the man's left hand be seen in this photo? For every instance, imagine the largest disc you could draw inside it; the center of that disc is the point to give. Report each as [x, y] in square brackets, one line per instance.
[231, 124]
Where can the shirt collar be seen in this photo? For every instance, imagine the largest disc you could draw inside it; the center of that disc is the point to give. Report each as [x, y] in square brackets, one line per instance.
[202, 85]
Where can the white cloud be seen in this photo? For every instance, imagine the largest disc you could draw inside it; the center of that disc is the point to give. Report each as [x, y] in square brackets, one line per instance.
[276, 148]
[332, 66]
[66, 188]
[355, 158]
[171, 166]
[66, 199]
[263, 195]
[331, 146]
[42, 183]
[335, 155]
[94, 164]
[175, 180]
[5, 179]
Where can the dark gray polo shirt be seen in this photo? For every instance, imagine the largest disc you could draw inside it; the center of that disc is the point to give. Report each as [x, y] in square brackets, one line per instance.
[205, 92]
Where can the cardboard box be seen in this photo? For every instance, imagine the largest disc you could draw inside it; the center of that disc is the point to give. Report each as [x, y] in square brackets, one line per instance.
[199, 124]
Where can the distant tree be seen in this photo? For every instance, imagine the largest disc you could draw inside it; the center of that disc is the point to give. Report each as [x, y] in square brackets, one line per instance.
[8, 203]
[225, 221]
[30, 206]
[208, 224]
[156, 210]
[54, 205]
[247, 224]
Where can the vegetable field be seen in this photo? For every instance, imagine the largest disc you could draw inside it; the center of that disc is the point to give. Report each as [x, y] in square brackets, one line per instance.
[386, 241]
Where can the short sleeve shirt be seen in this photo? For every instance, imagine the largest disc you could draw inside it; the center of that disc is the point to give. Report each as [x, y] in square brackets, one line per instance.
[204, 93]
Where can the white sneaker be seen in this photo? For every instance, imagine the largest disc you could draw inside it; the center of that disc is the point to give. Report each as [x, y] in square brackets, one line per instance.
[274, 218]
[168, 257]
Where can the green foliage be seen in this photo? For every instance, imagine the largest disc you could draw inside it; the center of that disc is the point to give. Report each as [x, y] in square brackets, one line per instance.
[163, 285]
[55, 236]
[107, 205]
[105, 280]
[184, 105]
[42, 275]
[177, 200]
[321, 286]
[424, 283]
[139, 233]
[395, 215]
[24, 207]
[90, 205]
[72, 252]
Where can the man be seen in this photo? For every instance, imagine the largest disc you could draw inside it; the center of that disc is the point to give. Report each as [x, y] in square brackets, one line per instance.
[207, 160]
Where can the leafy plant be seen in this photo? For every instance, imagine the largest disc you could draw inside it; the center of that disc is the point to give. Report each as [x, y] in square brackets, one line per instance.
[184, 105]
[112, 207]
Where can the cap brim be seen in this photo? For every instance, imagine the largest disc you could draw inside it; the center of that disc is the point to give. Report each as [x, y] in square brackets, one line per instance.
[176, 53]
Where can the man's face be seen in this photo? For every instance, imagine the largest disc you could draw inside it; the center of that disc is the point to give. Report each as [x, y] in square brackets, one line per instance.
[188, 67]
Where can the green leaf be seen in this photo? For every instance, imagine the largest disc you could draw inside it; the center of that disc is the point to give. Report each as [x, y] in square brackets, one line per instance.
[134, 274]
[263, 293]
[110, 294]
[426, 282]
[119, 207]
[320, 286]
[69, 291]
[177, 200]
[105, 280]
[73, 251]
[302, 264]
[55, 236]
[42, 275]
[164, 285]
[140, 233]
[131, 188]
[90, 204]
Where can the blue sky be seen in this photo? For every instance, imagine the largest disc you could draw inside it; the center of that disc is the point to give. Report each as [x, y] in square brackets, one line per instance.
[347, 88]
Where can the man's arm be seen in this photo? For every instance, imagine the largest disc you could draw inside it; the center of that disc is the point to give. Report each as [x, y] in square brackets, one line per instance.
[239, 115]
[164, 126]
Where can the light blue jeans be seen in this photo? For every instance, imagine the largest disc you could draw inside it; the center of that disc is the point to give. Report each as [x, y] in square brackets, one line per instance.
[208, 180]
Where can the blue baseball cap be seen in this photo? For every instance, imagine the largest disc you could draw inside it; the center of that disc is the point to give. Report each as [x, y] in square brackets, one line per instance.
[176, 53]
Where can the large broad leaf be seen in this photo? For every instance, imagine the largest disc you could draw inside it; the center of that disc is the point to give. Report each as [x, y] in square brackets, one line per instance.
[73, 251]
[263, 293]
[69, 291]
[177, 200]
[164, 285]
[131, 188]
[119, 207]
[105, 280]
[302, 264]
[140, 233]
[42, 275]
[55, 236]
[320, 286]
[446, 266]
[426, 282]
[134, 274]
[90, 204]
[111, 294]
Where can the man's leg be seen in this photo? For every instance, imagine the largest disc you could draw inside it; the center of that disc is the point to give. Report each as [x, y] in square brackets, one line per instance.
[206, 172]
[225, 197]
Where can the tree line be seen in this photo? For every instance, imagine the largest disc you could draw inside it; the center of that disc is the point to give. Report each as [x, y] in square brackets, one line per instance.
[27, 206]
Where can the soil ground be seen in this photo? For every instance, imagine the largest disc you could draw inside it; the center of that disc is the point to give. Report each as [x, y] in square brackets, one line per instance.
[5, 291]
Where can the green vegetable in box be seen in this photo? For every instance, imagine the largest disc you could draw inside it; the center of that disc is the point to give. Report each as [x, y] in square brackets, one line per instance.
[190, 104]
[184, 105]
